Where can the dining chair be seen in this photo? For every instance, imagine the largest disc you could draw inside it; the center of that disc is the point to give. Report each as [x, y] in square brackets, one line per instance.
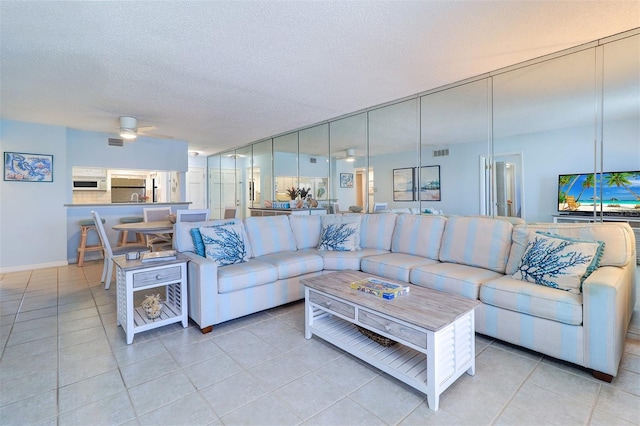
[156, 214]
[192, 215]
[107, 268]
[335, 207]
[229, 212]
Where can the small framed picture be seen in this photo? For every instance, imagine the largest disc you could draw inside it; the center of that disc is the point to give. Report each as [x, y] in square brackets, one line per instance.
[24, 167]
[346, 180]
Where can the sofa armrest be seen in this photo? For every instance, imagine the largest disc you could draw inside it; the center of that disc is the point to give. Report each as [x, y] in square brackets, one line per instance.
[202, 277]
[605, 317]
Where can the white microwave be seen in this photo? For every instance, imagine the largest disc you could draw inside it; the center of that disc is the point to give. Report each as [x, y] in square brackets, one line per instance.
[89, 184]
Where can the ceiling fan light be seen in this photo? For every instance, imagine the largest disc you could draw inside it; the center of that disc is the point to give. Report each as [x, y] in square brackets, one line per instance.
[128, 134]
[351, 155]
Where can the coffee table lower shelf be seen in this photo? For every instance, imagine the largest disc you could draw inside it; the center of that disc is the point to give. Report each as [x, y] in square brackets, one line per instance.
[400, 361]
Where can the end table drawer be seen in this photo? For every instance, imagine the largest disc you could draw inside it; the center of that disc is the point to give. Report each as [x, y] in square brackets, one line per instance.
[333, 304]
[158, 276]
[393, 328]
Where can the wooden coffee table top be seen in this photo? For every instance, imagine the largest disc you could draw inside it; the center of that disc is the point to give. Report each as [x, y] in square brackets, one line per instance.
[426, 308]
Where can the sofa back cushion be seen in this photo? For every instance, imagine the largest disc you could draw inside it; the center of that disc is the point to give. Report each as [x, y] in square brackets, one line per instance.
[418, 235]
[618, 238]
[376, 230]
[477, 241]
[269, 234]
[306, 230]
[183, 240]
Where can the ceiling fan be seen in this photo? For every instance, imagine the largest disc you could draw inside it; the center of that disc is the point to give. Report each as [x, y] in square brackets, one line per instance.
[129, 129]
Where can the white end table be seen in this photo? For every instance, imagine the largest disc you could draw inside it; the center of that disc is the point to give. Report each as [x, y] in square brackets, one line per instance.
[133, 276]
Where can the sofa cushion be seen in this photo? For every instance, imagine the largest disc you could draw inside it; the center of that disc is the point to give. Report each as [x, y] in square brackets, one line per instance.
[196, 236]
[270, 234]
[328, 220]
[376, 230]
[244, 275]
[532, 299]
[396, 266]
[618, 239]
[454, 278]
[561, 263]
[293, 263]
[224, 244]
[477, 241]
[418, 235]
[182, 238]
[306, 230]
[346, 260]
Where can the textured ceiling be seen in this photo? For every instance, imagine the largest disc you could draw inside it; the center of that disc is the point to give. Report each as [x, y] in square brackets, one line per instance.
[222, 74]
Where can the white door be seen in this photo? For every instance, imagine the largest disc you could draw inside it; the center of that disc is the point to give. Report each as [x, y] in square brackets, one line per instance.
[196, 187]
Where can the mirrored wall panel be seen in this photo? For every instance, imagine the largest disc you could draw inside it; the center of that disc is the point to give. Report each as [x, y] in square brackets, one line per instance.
[393, 155]
[313, 163]
[285, 165]
[454, 143]
[349, 177]
[620, 189]
[544, 119]
[261, 184]
[215, 186]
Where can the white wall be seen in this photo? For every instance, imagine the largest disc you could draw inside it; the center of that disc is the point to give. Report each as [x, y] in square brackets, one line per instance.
[33, 218]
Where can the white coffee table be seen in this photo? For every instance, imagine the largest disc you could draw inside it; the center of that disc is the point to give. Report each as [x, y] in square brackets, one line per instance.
[435, 331]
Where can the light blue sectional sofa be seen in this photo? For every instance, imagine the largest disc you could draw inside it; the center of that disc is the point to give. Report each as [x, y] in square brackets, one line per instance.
[475, 257]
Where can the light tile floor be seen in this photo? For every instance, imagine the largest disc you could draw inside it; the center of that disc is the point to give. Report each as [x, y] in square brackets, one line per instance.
[64, 361]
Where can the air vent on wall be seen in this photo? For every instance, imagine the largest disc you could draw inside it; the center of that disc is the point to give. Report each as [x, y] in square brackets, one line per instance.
[312, 160]
[441, 152]
[116, 142]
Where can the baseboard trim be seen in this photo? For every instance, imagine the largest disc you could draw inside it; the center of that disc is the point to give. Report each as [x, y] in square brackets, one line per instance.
[23, 268]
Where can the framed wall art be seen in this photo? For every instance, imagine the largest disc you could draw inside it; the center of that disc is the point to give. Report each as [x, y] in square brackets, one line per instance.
[25, 167]
[430, 183]
[403, 189]
[346, 180]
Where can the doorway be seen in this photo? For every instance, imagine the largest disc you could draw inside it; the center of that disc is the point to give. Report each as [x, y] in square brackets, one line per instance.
[501, 185]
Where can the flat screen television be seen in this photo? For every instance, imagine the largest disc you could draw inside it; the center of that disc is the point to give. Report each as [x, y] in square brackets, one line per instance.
[616, 193]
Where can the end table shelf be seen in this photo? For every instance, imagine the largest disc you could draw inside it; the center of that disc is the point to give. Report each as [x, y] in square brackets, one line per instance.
[134, 276]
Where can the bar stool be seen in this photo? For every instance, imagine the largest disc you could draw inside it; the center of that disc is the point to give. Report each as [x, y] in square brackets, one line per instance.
[87, 225]
[123, 239]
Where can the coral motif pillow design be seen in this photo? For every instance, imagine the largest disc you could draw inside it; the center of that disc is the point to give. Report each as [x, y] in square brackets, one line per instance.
[224, 244]
[557, 262]
[198, 244]
[339, 237]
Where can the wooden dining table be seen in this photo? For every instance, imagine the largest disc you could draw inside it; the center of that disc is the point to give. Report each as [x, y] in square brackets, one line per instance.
[158, 227]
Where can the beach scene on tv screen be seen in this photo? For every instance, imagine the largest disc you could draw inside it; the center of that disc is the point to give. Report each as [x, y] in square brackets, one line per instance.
[614, 192]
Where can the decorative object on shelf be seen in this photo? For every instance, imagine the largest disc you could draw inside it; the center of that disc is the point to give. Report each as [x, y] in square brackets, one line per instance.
[143, 198]
[292, 192]
[152, 306]
[379, 339]
[346, 180]
[355, 209]
[304, 192]
[24, 167]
